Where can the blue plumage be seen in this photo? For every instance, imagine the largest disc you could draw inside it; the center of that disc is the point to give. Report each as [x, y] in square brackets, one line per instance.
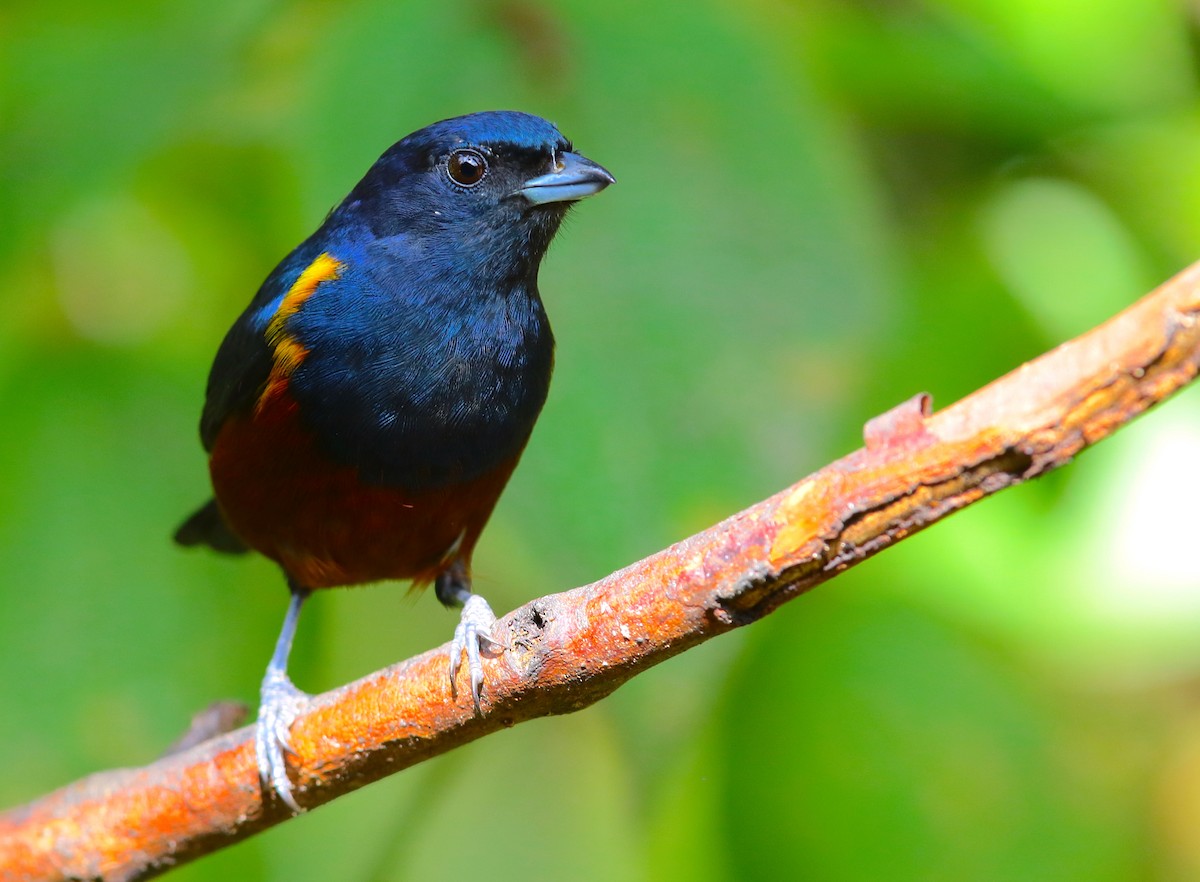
[366, 410]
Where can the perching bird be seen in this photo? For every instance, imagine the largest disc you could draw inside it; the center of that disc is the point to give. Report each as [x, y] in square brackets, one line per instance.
[366, 410]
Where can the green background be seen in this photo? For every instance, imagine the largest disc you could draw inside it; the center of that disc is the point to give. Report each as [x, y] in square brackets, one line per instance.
[822, 209]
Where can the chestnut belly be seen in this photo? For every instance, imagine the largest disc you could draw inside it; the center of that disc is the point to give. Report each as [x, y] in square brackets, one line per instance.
[287, 500]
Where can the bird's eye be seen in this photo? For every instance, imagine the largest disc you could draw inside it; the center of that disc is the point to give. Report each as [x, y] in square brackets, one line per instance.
[466, 167]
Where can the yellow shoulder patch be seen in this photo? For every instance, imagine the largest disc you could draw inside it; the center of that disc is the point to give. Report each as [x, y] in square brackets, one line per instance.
[286, 351]
[325, 268]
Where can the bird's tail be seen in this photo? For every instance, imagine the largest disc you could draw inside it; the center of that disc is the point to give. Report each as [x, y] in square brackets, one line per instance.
[206, 526]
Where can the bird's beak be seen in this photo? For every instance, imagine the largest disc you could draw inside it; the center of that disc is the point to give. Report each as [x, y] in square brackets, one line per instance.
[576, 177]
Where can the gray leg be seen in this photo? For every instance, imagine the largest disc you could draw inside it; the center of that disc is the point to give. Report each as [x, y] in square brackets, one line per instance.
[474, 630]
[281, 702]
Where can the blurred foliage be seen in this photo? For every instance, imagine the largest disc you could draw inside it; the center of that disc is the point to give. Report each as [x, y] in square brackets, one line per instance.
[823, 208]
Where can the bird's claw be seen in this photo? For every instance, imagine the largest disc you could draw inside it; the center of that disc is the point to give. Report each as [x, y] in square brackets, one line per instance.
[281, 702]
[474, 632]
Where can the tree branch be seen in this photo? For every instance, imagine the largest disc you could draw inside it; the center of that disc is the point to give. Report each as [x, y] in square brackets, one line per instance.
[568, 650]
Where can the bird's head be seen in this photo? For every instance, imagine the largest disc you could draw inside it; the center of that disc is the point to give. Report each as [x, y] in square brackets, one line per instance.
[486, 188]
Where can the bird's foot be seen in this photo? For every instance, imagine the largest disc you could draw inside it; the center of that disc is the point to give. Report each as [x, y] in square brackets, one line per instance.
[473, 633]
[281, 702]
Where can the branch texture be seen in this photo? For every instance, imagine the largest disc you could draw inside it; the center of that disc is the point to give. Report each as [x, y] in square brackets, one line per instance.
[566, 651]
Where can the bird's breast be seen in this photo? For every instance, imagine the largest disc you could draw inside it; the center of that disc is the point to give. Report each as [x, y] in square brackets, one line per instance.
[418, 398]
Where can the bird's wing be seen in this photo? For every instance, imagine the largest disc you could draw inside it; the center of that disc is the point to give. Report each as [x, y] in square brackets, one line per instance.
[244, 360]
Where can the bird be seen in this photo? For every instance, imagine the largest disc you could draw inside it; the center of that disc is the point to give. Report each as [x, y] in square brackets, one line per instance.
[364, 413]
